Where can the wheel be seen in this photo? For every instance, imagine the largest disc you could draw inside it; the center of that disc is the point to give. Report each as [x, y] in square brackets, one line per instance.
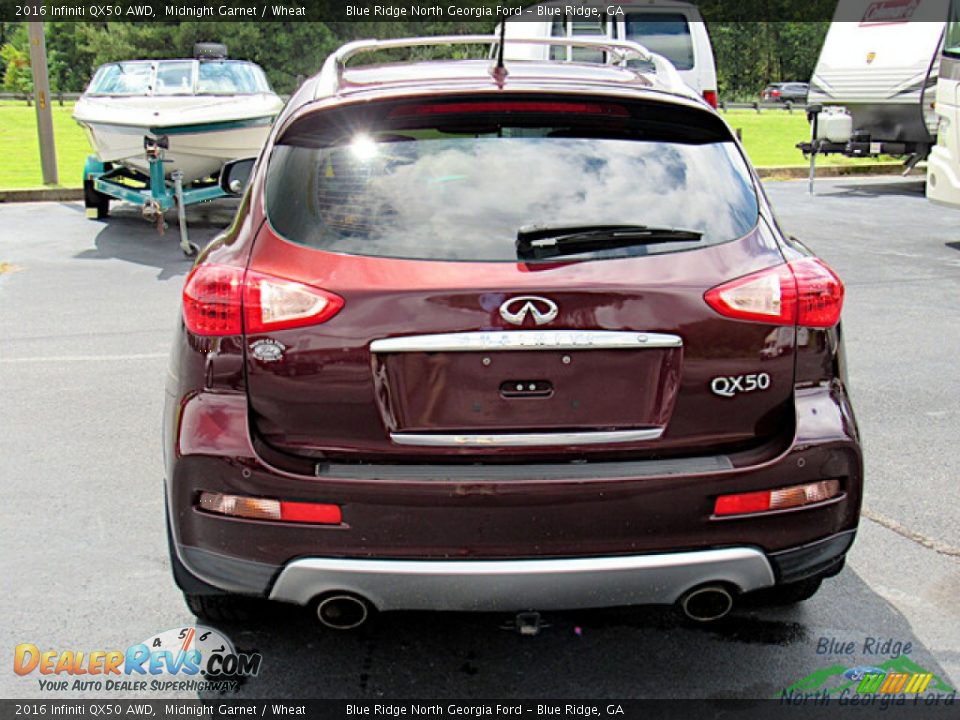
[97, 204]
[789, 594]
[223, 608]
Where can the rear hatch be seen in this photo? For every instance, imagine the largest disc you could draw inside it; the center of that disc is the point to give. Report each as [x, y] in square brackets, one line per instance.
[521, 277]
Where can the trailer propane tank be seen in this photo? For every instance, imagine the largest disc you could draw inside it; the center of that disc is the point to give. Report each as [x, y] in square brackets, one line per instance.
[834, 125]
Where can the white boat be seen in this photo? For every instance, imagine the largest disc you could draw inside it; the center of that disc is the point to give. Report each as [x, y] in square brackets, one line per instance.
[211, 110]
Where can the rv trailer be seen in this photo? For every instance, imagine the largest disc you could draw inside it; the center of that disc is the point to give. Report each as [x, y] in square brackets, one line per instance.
[874, 86]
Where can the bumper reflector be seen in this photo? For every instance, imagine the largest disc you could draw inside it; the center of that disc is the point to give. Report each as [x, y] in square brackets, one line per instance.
[269, 509]
[780, 499]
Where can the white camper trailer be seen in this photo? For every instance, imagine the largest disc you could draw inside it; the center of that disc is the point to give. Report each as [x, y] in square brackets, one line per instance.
[875, 80]
[669, 28]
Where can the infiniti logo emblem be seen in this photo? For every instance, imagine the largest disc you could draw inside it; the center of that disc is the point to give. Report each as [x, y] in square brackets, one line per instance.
[515, 310]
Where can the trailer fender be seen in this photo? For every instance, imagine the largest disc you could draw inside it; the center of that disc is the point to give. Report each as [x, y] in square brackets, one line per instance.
[92, 166]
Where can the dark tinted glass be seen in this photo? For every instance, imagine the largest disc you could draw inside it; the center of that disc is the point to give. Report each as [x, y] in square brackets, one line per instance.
[951, 40]
[447, 193]
[666, 34]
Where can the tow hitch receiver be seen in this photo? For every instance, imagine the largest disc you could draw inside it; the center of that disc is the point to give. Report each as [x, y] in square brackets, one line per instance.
[527, 624]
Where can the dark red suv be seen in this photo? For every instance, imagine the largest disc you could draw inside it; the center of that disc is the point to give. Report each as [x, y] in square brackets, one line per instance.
[506, 338]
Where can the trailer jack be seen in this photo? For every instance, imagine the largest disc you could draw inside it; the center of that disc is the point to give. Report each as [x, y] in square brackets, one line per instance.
[189, 249]
[152, 191]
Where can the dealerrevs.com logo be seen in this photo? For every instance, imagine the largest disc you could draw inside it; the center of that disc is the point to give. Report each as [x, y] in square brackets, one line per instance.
[190, 659]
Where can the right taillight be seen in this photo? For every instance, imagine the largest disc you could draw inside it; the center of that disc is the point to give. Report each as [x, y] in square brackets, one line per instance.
[802, 292]
[220, 300]
[819, 293]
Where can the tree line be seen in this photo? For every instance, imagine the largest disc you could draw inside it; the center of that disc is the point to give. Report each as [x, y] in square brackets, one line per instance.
[748, 54]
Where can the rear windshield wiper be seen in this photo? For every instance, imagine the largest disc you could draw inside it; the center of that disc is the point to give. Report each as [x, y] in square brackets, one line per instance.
[538, 242]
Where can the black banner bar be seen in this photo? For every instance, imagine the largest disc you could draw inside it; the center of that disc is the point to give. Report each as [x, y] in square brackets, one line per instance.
[486, 12]
[890, 707]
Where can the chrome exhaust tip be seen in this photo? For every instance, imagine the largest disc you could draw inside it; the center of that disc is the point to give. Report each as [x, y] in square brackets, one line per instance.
[343, 612]
[707, 603]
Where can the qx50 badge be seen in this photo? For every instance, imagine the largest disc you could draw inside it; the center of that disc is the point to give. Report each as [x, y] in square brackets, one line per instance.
[515, 310]
[730, 385]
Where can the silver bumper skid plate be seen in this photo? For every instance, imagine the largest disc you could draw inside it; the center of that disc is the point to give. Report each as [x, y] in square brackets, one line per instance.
[511, 585]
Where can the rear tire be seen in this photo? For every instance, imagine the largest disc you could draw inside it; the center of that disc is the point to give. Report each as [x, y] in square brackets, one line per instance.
[789, 594]
[97, 204]
[206, 601]
[223, 608]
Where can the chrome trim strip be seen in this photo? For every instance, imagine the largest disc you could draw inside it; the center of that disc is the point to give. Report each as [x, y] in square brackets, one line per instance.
[509, 585]
[491, 341]
[506, 472]
[540, 439]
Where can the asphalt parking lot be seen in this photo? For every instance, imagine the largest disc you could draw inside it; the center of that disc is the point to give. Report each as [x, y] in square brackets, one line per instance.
[87, 311]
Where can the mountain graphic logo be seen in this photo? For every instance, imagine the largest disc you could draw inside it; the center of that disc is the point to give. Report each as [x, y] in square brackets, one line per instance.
[894, 676]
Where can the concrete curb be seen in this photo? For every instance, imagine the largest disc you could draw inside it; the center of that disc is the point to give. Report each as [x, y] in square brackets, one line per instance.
[774, 173]
[832, 171]
[41, 195]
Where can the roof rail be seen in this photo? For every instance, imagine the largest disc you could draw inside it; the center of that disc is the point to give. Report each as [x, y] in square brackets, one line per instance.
[619, 50]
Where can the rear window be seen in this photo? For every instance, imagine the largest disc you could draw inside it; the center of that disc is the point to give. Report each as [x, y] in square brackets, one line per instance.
[460, 182]
[666, 34]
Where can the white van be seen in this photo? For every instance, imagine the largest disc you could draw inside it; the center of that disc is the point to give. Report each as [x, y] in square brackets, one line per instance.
[943, 165]
[673, 29]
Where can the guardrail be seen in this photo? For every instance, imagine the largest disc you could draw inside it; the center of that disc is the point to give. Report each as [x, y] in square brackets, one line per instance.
[58, 97]
[760, 106]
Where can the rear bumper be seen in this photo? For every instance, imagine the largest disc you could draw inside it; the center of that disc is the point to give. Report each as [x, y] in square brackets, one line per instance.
[475, 537]
[512, 585]
[943, 182]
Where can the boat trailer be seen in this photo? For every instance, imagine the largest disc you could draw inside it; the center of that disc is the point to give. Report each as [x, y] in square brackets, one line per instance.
[154, 193]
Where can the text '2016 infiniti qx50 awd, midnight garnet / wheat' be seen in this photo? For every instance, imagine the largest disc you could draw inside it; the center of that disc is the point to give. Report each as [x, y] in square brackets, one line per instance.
[487, 337]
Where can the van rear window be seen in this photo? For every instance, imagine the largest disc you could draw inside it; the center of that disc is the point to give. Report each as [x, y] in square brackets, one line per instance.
[454, 183]
[666, 34]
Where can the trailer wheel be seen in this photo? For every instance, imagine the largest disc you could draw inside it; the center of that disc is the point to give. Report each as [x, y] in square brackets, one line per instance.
[97, 204]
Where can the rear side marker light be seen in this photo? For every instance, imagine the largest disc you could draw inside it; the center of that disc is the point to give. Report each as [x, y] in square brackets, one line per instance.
[221, 300]
[803, 292]
[517, 106]
[268, 509]
[781, 499]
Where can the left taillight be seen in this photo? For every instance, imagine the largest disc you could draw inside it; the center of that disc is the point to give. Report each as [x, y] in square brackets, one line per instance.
[803, 292]
[221, 300]
[213, 300]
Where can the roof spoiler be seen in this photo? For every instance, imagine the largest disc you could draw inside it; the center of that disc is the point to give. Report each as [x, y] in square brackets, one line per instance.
[620, 51]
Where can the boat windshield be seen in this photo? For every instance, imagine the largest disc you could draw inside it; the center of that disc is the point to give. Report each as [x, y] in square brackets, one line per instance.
[179, 77]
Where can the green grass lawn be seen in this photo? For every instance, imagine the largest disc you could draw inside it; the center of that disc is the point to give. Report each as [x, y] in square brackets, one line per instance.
[20, 150]
[769, 136]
